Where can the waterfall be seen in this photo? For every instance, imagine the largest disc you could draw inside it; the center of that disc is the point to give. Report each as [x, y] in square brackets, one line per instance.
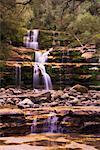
[48, 124]
[31, 41]
[39, 69]
[18, 75]
[34, 126]
[52, 122]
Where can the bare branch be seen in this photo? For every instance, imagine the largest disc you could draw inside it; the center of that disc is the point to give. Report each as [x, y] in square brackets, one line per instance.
[21, 10]
[24, 3]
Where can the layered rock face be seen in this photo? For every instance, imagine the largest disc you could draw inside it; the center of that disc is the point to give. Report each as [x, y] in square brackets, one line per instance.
[66, 66]
[74, 109]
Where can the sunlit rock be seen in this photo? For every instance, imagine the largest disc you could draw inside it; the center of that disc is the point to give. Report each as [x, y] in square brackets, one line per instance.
[25, 103]
[80, 88]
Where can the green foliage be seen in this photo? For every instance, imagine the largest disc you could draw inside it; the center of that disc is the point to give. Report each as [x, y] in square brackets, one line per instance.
[4, 51]
[80, 18]
[11, 22]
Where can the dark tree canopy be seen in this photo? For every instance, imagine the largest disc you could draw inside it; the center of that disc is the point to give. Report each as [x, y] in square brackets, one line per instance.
[81, 18]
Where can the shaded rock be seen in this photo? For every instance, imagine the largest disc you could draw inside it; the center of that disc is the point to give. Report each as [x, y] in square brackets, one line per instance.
[57, 94]
[42, 96]
[64, 96]
[10, 101]
[71, 97]
[12, 121]
[80, 88]
[2, 89]
[74, 101]
[79, 96]
[16, 100]
[9, 91]
[2, 101]
[96, 96]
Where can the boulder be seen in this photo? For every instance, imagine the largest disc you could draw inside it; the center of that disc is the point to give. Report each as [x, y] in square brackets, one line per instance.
[15, 91]
[87, 55]
[56, 94]
[44, 96]
[2, 102]
[65, 96]
[25, 103]
[80, 88]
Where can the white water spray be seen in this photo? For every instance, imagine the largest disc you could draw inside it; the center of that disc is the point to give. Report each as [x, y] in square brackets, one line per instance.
[34, 126]
[39, 68]
[52, 122]
[18, 75]
[31, 41]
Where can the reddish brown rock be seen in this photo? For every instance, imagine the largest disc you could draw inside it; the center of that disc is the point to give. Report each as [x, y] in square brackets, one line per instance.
[80, 88]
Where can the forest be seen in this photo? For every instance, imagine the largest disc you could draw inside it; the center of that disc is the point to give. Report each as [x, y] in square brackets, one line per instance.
[74, 17]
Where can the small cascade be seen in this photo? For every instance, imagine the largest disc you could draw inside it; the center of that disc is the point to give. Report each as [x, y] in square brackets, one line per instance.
[30, 39]
[52, 122]
[48, 125]
[18, 75]
[34, 126]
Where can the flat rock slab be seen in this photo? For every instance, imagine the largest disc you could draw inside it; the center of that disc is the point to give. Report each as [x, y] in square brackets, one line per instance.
[31, 95]
[47, 142]
[77, 110]
[8, 111]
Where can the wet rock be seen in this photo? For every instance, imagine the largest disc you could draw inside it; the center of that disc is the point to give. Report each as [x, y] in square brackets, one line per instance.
[80, 88]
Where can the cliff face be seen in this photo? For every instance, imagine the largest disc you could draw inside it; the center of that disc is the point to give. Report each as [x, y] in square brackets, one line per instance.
[66, 66]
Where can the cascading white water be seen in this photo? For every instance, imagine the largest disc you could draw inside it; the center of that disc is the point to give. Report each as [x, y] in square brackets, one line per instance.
[34, 126]
[18, 75]
[48, 125]
[31, 41]
[39, 67]
[52, 122]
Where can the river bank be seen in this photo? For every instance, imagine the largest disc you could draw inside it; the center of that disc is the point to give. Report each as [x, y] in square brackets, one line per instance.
[38, 116]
